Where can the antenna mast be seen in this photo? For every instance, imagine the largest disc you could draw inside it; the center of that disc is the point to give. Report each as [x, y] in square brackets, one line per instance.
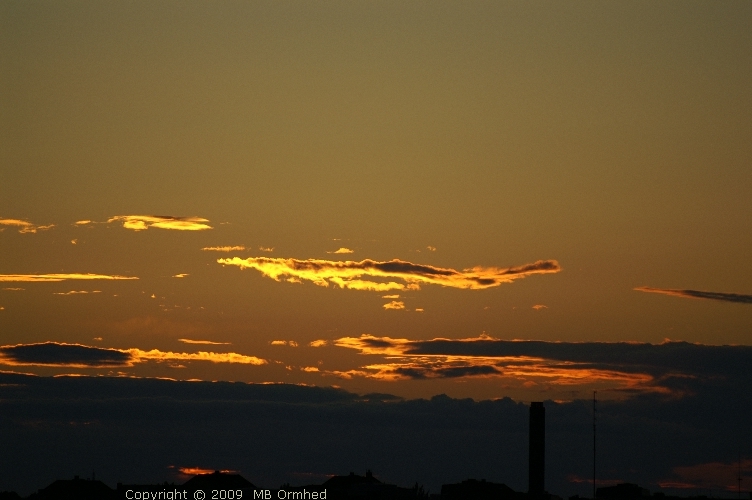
[594, 410]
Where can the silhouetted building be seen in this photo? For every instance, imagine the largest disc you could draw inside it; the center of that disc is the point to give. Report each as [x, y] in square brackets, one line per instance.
[218, 481]
[74, 489]
[623, 491]
[537, 456]
[479, 490]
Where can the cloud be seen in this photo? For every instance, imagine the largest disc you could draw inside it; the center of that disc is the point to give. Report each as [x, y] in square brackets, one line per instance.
[343, 250]
[713, 475]
[266, 249]
[538, 307]
[396, 296]
[83, 222]
[189, 341]
[62, 277]
[344, 273]
[395, 304]
[56, 354]
[236, 248]
[15, 289]
[629, 367]
[82, 356]
[141, 222]
[74, 292]
[431, 249]
[319, 343]
[24, 226]
[181, 275]
[697, 294]
[290, 343]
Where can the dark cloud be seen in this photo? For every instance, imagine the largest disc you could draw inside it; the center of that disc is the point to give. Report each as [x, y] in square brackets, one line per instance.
[52, 353]
[698, 294]
[76, 355]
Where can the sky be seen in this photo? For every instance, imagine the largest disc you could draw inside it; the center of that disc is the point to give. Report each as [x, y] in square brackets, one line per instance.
[483, 200]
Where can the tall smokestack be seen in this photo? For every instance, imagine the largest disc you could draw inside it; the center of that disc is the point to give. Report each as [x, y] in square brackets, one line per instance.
[537, 448]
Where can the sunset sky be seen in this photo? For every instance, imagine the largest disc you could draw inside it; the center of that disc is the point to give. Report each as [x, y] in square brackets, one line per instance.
[530, 200]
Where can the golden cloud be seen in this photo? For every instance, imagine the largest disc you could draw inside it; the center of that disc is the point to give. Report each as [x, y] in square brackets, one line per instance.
[345, 273]
[395, 304]
[343, 250]
[188, 341]
[236, 248]
[181, 275]
[290, 343]
[319, 343]
[266, 249]
[396, 296]
[75, 292]
[215, 357]
[141, 222]
[62, 277]
[24, 226]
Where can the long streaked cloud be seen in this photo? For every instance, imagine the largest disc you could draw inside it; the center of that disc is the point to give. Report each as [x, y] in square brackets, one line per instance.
[698, 294]
[83, 356]
[77, 292]
[622, 366]
[236, 248]
[62, 277]
[24, 226]
[345, 274]
[206, 342]
[141, 222]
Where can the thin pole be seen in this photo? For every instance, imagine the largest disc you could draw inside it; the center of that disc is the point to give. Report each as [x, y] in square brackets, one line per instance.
[594, 410]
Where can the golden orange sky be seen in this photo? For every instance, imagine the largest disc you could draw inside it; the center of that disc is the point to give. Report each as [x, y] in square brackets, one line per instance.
[210, 164]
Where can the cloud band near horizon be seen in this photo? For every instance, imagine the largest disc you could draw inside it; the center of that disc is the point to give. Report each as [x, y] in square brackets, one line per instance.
[346, 273]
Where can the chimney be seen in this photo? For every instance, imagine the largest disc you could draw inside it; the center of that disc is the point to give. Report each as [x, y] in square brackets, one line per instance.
[537, 448]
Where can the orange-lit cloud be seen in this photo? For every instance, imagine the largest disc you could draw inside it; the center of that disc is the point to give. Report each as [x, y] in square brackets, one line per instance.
[342, 250]
[24, 226]
[215, 357]
[77, 292]
[83, 222]
[14, 289]
[538, 307]
[181, 275]
[310, 369]
[209, 342]
[290, 343]
[345, 273]
[195, 471]
[266, 249]
[625, 366]
[431, 249]
[141, 222]
[714, 475]
[62, 277]
[236, 248]
[395, 304]
[82, 356]
[395, 296]
[319, 343]
[698, 294]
